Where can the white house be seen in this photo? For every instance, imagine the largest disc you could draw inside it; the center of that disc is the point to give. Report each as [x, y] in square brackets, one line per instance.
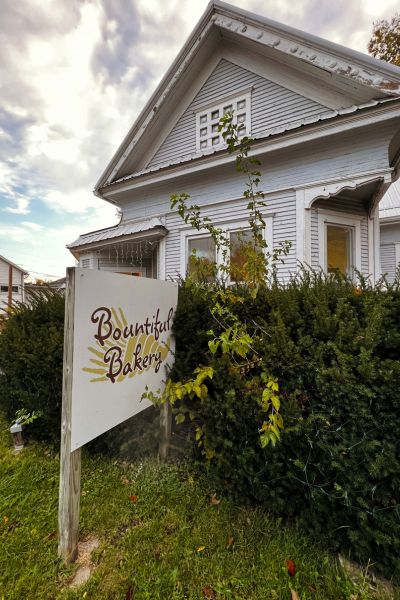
[11, 283]
[389, 213]
[326, 124]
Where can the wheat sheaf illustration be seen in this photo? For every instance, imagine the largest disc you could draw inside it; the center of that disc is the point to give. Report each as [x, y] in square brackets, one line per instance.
[121, 356]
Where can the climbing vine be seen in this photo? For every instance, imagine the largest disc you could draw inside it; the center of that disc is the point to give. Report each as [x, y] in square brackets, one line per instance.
[229, 338]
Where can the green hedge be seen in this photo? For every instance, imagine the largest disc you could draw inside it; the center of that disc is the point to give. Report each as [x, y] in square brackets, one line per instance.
[336, 351]
[31, 358]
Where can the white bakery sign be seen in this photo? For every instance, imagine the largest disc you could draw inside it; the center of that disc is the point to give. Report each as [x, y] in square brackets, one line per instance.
[122, 344]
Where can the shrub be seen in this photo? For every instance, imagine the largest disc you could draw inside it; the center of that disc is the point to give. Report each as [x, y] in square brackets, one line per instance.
[31, 359]
[335, 350]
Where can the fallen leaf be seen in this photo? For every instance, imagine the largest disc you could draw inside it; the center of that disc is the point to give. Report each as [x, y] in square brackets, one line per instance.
[208, 592]
[133, 499]
[214, 500]
[230, 542]
[5, 520]
[291, 567]
[125, 480]
[51, 535]
[129, 593]
[295, 595]
[200, 548]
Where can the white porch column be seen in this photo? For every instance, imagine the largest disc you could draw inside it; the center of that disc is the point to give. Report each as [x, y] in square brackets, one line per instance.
[303, 229]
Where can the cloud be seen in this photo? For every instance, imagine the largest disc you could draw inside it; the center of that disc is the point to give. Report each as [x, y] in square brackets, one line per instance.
[21, 207]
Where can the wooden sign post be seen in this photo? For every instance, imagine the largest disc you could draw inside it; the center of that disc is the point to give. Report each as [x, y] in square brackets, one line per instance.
[117, 344]
[70, 462]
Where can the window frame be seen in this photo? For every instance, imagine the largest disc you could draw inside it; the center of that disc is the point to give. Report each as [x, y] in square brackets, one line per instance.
[207, 111]
[337, 219]
[228, 227]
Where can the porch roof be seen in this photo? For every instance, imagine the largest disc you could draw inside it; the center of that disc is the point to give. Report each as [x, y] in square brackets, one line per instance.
[120, 232]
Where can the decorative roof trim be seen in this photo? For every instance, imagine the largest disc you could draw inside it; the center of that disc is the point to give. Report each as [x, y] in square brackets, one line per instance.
[310, 48]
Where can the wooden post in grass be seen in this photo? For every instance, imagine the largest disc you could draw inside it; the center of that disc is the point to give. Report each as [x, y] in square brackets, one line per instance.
[165, 430]
[70, 462]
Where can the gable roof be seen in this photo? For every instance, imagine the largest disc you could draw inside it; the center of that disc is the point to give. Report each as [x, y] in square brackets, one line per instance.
[362, 77]
[9, 262]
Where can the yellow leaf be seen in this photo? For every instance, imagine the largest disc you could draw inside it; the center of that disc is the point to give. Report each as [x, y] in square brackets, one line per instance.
[214, 500]
[200, 548]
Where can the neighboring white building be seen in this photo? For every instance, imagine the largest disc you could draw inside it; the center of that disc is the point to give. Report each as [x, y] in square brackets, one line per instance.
[11, 283]
[389, 214]
[326, 124]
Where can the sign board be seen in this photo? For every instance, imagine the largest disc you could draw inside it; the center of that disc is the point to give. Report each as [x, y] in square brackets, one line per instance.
[122, 344]
[117, 342]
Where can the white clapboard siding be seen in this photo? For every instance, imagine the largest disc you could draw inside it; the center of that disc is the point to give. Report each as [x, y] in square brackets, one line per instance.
[271, 105]
[388, 260]
[282, 207]
[348, 207]
[287, 169]
[17, 280]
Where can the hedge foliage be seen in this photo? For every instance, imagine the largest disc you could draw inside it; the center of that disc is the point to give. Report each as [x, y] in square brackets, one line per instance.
[335, 349]
[31, 359]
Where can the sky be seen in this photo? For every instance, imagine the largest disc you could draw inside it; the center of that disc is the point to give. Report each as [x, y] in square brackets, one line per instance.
[74, 75]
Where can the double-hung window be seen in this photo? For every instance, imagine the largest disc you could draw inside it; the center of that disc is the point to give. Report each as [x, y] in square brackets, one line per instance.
[201, 256]
[339, 243]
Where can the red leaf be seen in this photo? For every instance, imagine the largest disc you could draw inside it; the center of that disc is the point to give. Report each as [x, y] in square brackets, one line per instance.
[291, 568]
[133, 499]
[208, 592]
[129, 593]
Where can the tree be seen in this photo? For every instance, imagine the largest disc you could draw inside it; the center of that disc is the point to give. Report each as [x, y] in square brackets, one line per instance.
[385, 40]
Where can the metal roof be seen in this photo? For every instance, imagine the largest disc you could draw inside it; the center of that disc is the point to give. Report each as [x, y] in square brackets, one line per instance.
[117, 231]
[389, 206]
[9, 262]
[323, 116]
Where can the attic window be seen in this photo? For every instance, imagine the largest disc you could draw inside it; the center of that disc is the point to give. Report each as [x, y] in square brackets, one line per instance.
[85, 263]
[207, 121]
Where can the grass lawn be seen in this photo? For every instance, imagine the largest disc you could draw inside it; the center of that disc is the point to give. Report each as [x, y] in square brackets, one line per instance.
[162, 536]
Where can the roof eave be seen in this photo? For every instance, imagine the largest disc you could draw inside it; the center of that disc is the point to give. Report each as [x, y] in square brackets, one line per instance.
[151, 105]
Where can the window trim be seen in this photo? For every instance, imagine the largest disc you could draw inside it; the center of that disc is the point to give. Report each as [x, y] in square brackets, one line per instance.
[330, 217]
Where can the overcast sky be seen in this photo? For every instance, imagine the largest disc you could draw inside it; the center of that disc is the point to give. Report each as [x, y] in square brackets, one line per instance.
[74, 74]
